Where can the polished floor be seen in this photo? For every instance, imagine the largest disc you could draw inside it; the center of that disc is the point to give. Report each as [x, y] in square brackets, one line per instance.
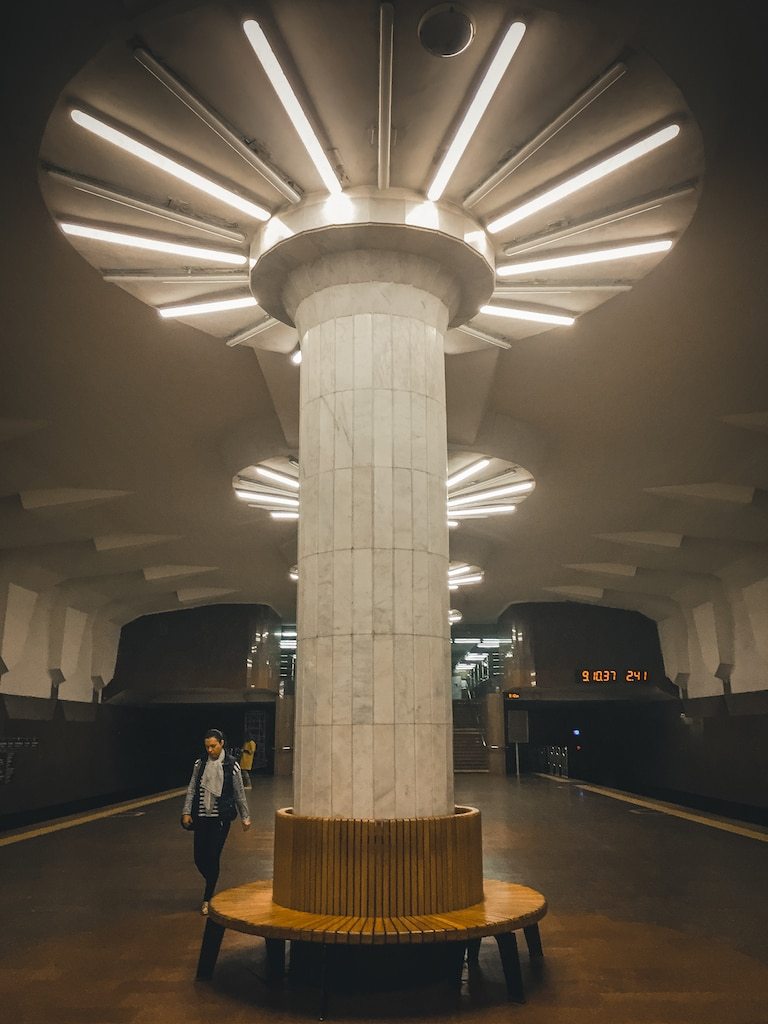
[654, 919]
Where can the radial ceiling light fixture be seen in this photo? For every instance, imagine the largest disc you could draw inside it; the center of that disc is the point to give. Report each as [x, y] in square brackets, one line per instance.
[173, 167]
[467, 472]
[578, 259]
[155, 245]
[280, 478]
[594, 173]
[529, 315]
[477, 107]
[290, 102]
[199, 308]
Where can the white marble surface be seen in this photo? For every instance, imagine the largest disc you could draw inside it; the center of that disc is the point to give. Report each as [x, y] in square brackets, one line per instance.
[373, 703]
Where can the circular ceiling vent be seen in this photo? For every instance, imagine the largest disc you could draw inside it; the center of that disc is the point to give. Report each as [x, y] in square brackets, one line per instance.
[446, 30]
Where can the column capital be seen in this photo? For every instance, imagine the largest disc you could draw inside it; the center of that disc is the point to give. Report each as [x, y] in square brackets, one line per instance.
[385, 236]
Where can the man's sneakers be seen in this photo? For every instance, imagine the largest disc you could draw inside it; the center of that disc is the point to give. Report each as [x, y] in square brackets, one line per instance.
[204, 908]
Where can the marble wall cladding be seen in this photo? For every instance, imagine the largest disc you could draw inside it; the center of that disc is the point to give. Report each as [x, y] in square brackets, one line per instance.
[373, 691]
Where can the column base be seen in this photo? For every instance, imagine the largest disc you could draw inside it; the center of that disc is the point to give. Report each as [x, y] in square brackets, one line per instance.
[394, 867]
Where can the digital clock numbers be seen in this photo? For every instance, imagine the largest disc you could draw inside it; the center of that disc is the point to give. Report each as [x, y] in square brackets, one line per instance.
[613, 675]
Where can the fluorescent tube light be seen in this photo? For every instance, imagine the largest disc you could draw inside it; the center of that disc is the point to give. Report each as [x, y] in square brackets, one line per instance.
[459, 570]
[584, 178]
[280, 478]
[293, 573]
[471, 641]
[197, 308]
[464, 580]
[454, 616]
[164, 163]
[288, 633]
[262, 498]
[495, 492]
[499, 64]
[464, 474]
[140, 242]
[452, 524]
[284, 515]
[578, 259]
[528, 314]
[481, 513]
[453, 586]
[291, 104]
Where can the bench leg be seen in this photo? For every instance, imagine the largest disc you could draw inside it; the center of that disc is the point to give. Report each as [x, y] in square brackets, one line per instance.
[533, 938]
[275, 958]
[458, 951]
[326, 972]
[510, 963]
[473, 952]
[209, 949]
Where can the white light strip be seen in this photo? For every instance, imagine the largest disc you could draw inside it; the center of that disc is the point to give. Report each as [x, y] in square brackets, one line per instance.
[288, 633]
[452, 524]
[164, 163]
[577, 259]
[587, 177]
[528, 314]
[459, 570]
[499, 64]
[481, 513]
[197, 308]
[495, 492]
[464, 580]
[464, 474]
[140, 242]
[266, 499]
[284, 515]
[472, 641]
[280, 478]
[290, 102]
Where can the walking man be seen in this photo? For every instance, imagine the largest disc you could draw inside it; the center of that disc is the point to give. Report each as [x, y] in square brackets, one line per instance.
[215, 796]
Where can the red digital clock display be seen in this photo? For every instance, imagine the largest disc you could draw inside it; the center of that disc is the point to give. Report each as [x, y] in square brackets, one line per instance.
[613, 675]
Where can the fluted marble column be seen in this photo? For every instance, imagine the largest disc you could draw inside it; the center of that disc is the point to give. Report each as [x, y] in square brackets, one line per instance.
[373, 737]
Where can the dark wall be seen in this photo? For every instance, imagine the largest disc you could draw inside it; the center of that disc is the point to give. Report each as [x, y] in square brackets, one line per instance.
[86, 755]
[715, 761]
[193, 649]
[562, 638]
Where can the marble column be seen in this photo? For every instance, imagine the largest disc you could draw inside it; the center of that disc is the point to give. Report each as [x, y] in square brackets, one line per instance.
[373, 717]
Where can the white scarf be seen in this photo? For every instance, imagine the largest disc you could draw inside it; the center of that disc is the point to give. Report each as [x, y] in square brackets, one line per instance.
[212, 781]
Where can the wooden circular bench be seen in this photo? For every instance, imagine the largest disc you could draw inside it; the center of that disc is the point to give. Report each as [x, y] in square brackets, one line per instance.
[505, 909]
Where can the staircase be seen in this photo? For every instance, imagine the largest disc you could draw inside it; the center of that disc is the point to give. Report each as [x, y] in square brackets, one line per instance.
[470, 753]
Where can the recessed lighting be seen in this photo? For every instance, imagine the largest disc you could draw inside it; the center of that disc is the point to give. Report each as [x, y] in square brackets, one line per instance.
[262, 498]
[198, 308]
[577, 259]
[155, 245]
[494, 492]
[477, 107]
[164, 163]
[481, 513]
[464, 474]
[280, 478]
[584, 178]
[528, 314]
[291, 104]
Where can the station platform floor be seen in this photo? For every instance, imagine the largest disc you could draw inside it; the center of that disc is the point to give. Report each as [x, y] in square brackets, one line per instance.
[657, 916]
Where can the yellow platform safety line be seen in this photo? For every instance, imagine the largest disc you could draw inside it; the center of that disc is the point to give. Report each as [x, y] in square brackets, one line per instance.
[675, 810]
[83, 819]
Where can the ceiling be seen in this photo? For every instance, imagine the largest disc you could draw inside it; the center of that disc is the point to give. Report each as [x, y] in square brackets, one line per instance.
[644, 424]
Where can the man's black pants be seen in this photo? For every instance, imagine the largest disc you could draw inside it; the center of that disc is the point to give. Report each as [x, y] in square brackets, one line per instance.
[210, 836]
